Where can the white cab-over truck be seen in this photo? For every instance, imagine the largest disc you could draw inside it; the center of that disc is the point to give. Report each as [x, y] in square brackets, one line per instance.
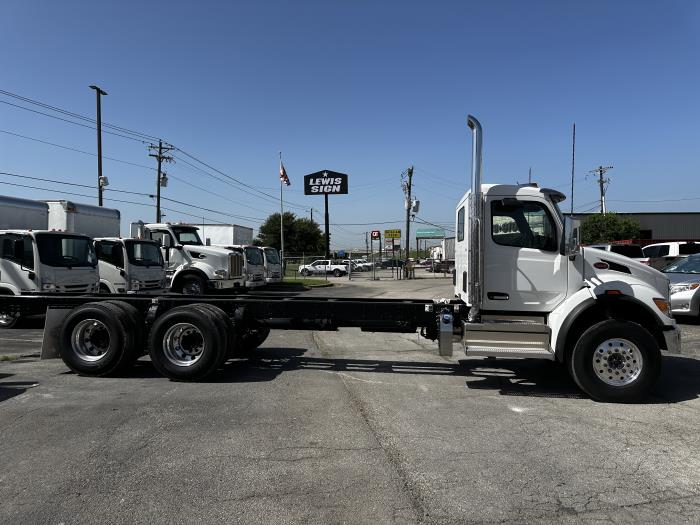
[125, 265]
[35, 259]
[273, 265]
[253, 264]
[524, 289]
[193, 268]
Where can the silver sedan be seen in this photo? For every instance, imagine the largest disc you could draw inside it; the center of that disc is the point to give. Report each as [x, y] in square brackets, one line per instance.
[684, 275]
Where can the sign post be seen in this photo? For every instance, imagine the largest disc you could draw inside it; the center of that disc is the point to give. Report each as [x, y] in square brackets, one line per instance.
[393, 235]
[376, 235]
[325, 183]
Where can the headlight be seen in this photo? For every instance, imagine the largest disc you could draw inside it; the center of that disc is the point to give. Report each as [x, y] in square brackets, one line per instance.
[220, 273]
[135, 284]
[49, 287]
[676, 288]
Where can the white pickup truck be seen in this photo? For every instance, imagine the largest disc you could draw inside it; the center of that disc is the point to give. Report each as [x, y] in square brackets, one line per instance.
[323, 266]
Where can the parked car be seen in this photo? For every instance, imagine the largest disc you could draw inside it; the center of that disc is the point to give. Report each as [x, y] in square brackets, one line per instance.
[633, 251]
[684, 275]
[663, 253]
[393, 263]
[359, 265]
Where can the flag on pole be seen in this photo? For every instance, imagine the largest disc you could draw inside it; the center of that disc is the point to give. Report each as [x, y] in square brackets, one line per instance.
[283, 175]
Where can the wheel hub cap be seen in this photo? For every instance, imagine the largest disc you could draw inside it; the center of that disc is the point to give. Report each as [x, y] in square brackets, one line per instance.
[183, 344]
[90, 340]
[617, 362]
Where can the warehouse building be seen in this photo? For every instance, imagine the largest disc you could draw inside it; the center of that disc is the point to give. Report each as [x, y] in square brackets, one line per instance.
[663, 226]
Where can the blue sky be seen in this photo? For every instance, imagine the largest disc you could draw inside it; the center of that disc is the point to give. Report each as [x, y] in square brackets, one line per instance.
[365, 88]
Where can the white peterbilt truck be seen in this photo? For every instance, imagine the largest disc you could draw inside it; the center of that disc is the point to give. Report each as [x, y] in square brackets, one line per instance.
[191, 267]
[524, 289]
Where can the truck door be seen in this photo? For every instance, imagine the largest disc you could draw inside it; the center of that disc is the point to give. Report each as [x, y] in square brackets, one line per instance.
[17, 261]
[523, 269]
[172, 256]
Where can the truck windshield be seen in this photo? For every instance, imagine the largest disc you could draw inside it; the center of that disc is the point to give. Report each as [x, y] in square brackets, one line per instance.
[187, 235]
[143, 253]
[254, 256]
[271, 256]
[65, 251]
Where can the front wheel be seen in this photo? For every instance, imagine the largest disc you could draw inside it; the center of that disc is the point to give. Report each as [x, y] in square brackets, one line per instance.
[304, 272]
[615, 361]
[9, 320]
[193, 285]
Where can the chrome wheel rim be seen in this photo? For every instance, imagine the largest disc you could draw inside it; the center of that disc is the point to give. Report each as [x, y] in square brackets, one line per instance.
[90, 340]
[617, 362]
[8, 319]
[183, 344]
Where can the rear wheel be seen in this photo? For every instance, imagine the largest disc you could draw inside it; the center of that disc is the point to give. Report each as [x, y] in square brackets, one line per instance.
[96, 340]
[135, 319]
[250, 339]
[615, 361]
[304, 272]
[185, 344]
[337, 273]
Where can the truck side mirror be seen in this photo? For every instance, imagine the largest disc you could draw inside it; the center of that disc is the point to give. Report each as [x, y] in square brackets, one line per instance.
[167, 241]
[571, 241]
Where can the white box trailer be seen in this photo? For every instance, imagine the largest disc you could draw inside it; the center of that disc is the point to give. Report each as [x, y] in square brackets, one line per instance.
[225, 234]
[23, 214]
[93, 221]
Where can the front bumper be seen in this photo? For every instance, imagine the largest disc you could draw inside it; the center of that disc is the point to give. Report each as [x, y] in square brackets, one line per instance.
[223, 284]
[673, 340]
[684, 303]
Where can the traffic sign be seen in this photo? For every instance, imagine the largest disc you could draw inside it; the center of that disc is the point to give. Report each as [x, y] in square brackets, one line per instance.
[376, 234]
[392, 234]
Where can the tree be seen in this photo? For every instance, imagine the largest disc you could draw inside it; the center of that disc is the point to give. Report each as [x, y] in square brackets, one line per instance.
[300, 235]
[608, 227]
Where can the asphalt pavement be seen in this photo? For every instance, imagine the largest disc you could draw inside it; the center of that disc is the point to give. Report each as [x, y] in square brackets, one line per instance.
[344, 427]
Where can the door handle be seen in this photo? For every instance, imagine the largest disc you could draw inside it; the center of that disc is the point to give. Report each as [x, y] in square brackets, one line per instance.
[498, 296]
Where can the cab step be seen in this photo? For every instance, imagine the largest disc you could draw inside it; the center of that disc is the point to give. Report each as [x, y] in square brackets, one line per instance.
[525, 338]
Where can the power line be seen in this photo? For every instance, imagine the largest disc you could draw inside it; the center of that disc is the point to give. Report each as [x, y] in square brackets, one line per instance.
[70, 121]
[75, 115]
[75, 149]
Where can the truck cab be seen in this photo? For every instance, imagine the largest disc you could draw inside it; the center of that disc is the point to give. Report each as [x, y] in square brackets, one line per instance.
[253, 264]
[130, 265]
[273, 265]
[532, 291]
[46, 262]
[191, 267]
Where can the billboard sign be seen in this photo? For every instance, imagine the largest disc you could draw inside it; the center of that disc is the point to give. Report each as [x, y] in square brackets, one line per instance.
[326, 183]
[392, 234]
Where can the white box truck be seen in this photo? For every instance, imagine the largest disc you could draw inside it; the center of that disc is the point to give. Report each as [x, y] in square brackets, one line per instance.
[225, 234]
[125, 265]
[34, 259]
[191, 267]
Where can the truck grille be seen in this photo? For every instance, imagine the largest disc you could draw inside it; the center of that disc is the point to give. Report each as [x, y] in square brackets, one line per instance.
[235, 265]
[75, 288]
[151, 285]
[258, 277]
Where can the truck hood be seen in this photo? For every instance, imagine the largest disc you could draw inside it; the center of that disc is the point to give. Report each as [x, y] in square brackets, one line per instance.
[206, 250]
[622, 271]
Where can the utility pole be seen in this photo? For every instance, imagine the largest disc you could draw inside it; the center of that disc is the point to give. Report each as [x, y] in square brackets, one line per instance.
[529, 176]
[161, 181]
[407, 186]
[101, 181]
[602, 184]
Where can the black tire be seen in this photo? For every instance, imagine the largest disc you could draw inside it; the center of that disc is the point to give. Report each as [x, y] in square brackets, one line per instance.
[104, 289]
[616, 347]
[337, 273]
[227, 332]
[192, 285]
[8, 322]
[200, 347]
[95, 340]
[250, 339]
[304, 272]
[136, 320]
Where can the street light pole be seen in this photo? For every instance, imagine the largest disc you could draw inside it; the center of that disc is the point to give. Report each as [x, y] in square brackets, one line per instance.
[101, 183]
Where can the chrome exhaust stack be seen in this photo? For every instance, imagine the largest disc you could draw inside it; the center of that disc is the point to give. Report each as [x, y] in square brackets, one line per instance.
[476, 225]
